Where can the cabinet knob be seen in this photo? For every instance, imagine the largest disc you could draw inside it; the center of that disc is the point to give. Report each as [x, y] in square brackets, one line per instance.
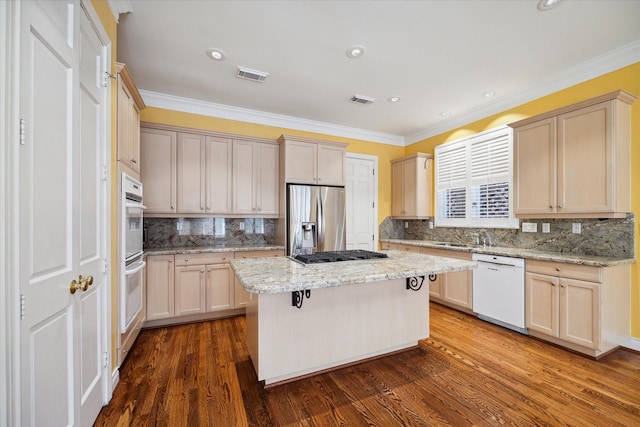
[559, 206]
[133, 161]
[170, 260]
[208, 208]
[224, 257]
[173, 207]
[244, 256]
[186, 260]
[550, 206]
[557, 269]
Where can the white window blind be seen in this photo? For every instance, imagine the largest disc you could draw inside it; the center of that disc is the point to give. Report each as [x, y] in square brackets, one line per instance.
[474, 181]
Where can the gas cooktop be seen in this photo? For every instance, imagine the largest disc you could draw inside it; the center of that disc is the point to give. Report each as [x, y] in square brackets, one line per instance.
[335, 256]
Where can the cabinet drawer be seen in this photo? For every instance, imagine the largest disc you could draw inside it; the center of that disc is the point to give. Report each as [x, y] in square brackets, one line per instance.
[560, 269]
[409, 248]
[259, 254]
[447, 253]
[388, 246]
[202, 259]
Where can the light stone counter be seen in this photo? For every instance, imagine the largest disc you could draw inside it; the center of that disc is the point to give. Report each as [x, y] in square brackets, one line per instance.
[212, 249]
[595, 261]
[280, 275]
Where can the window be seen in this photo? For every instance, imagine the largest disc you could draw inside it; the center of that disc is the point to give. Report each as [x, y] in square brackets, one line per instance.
[474, 181]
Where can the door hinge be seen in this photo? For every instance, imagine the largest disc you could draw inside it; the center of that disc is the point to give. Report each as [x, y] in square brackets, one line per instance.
[23, 306]
[105, 173]
[105, 359]
[373, 205]
[105, 266]
[373, 237]
[23, 131]
[107, 76]
[373, 172]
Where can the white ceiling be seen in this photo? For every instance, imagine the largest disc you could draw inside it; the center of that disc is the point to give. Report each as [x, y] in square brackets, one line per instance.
[438, 56]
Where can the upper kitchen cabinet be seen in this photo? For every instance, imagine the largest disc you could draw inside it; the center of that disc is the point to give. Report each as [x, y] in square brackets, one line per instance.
[158, 149]
[411, 186]
[204, 165]
[129, 105]
[312, 161]
[255, 178]
[575, 161]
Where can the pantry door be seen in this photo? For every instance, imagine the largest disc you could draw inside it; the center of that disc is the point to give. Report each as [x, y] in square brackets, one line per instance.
[362, 201]
[62, 202]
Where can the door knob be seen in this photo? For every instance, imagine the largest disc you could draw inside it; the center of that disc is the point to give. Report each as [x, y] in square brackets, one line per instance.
[82, 284]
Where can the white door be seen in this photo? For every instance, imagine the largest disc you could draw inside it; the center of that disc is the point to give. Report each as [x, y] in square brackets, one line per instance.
[62, 218]
[362, 194]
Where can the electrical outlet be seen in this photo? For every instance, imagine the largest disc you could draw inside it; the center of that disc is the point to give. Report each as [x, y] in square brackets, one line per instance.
[576, 228]
[546, 227]
[529, 227]
[406, 224]
[241, 225]
[430, 224]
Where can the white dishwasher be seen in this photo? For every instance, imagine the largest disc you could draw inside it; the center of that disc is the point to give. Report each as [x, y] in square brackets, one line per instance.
[498, 291]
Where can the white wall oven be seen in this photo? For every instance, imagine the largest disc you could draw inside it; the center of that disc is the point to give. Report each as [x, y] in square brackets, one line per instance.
[131, 264]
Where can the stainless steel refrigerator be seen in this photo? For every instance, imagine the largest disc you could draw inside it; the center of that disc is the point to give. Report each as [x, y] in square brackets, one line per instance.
[316, 218]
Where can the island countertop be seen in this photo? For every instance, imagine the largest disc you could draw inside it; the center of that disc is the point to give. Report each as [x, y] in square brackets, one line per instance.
[280, 275]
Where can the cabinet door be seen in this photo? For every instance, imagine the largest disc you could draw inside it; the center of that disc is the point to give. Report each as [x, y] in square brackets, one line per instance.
[158, 170]
[241, 297]
[301, 162]
[397, 189]
[585, 160]
[409, 180]
[190, 290]
[268, 179]
[219, 287]
[534, 174]
[244, 168]
[218, 172]
[580, 312]
[542, 303]
[457, 288]
[331, 164]
[191, 173]
[160, 287]
[435, 286]
[134, 138]
[125, 105]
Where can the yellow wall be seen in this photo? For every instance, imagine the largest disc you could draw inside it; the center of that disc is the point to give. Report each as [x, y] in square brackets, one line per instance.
[111, 27]
[627, 78]
[384, 152]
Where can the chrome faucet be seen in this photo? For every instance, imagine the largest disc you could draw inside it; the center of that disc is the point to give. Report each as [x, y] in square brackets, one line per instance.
[485, 238]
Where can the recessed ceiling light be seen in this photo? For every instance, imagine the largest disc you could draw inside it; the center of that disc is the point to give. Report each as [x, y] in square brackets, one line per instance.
[444, 114]
[216, 54]
[355, 51]
[394, 99]
[547, 4]
[489, 94]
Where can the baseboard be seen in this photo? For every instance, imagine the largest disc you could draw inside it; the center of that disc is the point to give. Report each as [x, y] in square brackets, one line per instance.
[632, 344]
[115, 379]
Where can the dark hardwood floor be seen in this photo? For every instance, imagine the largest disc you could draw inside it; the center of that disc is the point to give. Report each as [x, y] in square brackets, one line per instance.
[468, 372]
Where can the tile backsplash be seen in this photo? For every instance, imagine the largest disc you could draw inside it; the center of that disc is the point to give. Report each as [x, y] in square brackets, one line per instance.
[602, 237]
[185, 232]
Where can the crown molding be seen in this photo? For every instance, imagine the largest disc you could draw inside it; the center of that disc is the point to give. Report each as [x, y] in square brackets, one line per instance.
[194, 106]
[598, 66]
[118, 7]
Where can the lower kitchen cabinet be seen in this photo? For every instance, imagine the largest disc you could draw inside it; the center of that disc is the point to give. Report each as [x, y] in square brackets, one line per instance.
[583, 308]
[190, 294]
[451, 289]
[242, 296]
[160, 287]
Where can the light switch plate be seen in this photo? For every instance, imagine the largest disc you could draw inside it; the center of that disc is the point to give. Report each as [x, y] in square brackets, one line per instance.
[576, 228]
[546, 227]
[430, 224]
[529, 227]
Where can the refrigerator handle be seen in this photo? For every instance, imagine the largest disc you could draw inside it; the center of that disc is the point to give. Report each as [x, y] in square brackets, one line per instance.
[320, 229]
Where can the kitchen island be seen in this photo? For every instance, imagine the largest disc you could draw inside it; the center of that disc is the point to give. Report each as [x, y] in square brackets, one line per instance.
[304, 319]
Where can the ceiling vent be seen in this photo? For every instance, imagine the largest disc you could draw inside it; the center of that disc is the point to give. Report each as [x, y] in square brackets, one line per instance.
[361, 99]
[253, 75]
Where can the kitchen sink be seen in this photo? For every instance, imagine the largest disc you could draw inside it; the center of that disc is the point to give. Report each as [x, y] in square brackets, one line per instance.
[455, 245]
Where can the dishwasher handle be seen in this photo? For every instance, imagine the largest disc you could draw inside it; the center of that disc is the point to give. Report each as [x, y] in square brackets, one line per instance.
[496, 263]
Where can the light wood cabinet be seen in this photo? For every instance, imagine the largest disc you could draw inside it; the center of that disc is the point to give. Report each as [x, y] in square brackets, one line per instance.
[129, 105]
[190, 290]
[452, 289]
[242, 296]
[411, 186]
[386, 246]
[158, 170]
[584, 308]
[204, 165]
[195, 173]
[160, 287]
[311, 161]
[255, 178]
[575, 161]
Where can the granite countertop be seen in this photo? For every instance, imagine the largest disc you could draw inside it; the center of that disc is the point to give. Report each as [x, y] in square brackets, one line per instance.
[591, 260]
[212, 249]
[279, 275]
